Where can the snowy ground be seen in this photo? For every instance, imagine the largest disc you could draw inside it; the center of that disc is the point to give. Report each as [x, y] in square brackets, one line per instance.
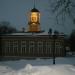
[64, 66]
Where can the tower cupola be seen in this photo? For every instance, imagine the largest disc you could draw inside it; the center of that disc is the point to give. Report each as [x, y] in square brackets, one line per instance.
[34, 20]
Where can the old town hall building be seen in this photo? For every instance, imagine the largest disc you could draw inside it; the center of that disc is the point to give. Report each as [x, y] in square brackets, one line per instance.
[33, 43]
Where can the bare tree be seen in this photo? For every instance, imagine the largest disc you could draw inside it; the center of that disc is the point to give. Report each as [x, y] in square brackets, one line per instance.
[72, 40]
[63, 7]
[5, 27]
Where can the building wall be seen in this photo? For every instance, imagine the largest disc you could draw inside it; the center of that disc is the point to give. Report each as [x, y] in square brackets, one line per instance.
[30, 46]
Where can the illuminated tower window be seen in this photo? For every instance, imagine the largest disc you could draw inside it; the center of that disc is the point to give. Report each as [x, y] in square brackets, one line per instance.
[34, 20]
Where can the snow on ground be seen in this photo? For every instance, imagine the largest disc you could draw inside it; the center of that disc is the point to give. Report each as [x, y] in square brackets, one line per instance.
[64, 66]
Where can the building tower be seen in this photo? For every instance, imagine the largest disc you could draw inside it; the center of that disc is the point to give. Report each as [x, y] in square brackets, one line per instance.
[34, 20]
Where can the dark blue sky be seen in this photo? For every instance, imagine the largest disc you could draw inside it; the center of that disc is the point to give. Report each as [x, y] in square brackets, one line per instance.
[16, 12]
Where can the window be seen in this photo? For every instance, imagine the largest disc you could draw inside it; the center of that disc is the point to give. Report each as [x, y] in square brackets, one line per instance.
[40, 47]
[34, 17]
[31, 47]
[15, 46]
[58, 47]
[23, 47]
[7, 48]
[48, 47]
[11, 46]
[57, 43]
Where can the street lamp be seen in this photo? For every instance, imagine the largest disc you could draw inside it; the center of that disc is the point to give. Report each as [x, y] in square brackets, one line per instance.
[54, 40]
[53, 52]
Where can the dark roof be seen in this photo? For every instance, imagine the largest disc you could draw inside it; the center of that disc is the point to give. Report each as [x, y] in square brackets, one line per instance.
[34, 10]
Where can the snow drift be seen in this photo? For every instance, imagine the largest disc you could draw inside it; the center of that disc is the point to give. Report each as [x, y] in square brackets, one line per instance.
[64, 66]
[39, 70]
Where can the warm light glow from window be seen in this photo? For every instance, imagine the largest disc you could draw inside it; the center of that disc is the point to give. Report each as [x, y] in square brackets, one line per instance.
[34, 17]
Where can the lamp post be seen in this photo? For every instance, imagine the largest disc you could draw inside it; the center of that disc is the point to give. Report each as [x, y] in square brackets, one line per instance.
[54, 40]
[53, 52]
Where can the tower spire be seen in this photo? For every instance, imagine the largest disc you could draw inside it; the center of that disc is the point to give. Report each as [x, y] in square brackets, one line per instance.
[34, 3]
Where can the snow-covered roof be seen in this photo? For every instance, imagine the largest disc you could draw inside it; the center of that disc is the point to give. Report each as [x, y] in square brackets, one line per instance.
[30, 34]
